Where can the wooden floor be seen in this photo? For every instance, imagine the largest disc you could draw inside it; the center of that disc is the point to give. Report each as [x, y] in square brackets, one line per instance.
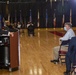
[36, 53]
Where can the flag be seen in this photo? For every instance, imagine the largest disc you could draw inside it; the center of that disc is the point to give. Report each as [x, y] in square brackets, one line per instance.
[0, 21]
[46, 0]
[46, 18]
[70, 15]
[25, 23]
[38, 19]
[11, 20]
[3, 20]
[54, 21]
[63, 19]
[20, 17]
[9, 17]
[15, 16]
[62, 2]
[30, 16]
[51, 3]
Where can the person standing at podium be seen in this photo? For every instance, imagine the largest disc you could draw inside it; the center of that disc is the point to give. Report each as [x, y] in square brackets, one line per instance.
[6, 32]
[5, 48]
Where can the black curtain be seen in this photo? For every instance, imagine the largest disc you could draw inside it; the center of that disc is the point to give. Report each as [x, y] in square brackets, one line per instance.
[24, 8]
[73, 7]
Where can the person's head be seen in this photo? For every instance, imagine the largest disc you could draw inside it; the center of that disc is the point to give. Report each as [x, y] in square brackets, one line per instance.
[67, 26]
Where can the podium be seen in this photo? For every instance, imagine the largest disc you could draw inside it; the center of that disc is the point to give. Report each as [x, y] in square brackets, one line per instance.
[10, 51]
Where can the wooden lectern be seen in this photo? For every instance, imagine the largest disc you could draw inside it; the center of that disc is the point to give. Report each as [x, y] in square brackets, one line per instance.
[14, 52]
[12, 46]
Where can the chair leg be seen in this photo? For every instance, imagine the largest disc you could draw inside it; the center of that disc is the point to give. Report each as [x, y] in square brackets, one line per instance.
[73, 70]
[61, 59]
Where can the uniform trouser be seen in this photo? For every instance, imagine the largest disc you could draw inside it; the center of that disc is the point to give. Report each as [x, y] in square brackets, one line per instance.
[70, 60]
[56, 51]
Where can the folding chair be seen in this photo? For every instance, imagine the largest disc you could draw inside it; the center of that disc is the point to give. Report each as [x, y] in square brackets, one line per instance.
[62, 53]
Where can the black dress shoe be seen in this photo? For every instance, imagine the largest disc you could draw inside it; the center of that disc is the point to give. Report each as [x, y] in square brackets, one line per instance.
[54, 61]
[67, 73]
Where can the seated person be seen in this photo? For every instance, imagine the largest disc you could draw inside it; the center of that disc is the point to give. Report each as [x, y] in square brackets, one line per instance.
[30, 28]
[70, 56]
[19, 25]
[69, 34]
[28, 24]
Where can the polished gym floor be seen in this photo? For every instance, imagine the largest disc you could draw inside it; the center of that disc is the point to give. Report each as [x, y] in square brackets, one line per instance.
[36, 53]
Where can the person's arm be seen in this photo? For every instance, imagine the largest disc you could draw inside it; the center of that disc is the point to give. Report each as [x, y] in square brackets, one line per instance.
[28, 25]
[10, 33]
[65, 37]
[71, 46]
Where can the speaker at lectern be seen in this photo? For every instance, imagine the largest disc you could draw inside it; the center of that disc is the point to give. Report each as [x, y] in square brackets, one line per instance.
[9, 51]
